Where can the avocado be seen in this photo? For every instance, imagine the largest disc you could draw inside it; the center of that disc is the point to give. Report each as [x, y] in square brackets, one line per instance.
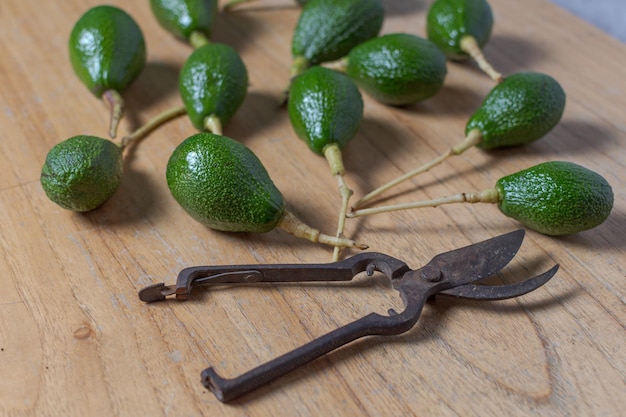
[82, 172]
[449, 21]
[461, 28]
[186, 18]
[108, 52]
[397, 69]
[223, 185]
[556, 198]
[107, 49]
[213, 84]
[325, 108]
[520, 110]
[328, 29]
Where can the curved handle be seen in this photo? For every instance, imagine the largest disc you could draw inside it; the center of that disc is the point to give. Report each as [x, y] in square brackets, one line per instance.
[372, 324]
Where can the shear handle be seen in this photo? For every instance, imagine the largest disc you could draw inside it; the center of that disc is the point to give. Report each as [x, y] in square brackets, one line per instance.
[344, 270]
[373, 324]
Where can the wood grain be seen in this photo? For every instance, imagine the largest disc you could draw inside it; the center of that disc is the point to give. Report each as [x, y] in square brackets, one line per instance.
[76, 341]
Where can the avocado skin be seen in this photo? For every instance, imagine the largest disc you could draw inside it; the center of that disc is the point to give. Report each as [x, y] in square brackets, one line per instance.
[328, 29]
[213, 80]
[325, 107]
[223, 185]
[449, 20]
[107, 49]
[519, 110]
[398, 69]
[556, 198]
[182, 17]
[82, 172]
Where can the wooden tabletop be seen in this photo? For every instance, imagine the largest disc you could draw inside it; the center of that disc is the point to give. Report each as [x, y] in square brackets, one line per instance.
[75, 340]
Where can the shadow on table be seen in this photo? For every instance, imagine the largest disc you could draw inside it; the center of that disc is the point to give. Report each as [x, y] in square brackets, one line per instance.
[157, 81]
[520, 54]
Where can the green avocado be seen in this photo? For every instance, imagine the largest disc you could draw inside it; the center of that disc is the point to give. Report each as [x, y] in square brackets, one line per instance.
[519, 110]
[556, 198]
[325, 107]
[223, 185]
[397, 69]
[448, 21]
[213, 82]
[183, 17]
[107, 49]
[328, 29]
[82, 172]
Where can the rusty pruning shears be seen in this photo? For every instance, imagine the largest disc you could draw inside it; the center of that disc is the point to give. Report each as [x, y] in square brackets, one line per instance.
[451, 274]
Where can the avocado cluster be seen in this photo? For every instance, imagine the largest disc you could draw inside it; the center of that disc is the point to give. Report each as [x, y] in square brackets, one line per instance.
[337, 53]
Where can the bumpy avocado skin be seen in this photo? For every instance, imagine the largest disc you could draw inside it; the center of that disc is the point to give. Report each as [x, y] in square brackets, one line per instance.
[213, 80]
[519, 110]
[223, 185]
[449, 20]
[328, 29]
[325, 107]
[107, 49]
[182, 17]
[556, 198]
[398, 69]
[82, 172]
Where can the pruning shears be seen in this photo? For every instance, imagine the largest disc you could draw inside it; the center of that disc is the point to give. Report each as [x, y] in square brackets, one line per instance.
[452, 274]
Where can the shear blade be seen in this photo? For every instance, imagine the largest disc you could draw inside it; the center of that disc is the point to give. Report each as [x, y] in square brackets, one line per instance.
[500, 292]
[480, 260]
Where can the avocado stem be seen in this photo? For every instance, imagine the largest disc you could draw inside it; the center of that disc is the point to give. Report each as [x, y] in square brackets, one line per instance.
[232, 3]
[116, 103]
[346, 193]
[298, 66]
[293, 225]
[490, 195]
[332, 153]
[213, 124]
[152, 124]
[474, 137]
[335, 161]
[198, 39]
[340, 65]
[470, 46]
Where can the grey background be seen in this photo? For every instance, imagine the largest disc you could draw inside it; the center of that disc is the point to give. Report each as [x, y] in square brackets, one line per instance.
[608, 15]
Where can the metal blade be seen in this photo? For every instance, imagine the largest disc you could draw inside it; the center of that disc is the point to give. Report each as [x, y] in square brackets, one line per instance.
[474, 262]
[500, 292]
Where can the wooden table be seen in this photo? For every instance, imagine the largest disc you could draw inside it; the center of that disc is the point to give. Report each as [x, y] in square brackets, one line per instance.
[76, 341]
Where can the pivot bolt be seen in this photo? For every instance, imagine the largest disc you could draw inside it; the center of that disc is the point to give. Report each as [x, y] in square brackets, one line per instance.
[431, 274]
